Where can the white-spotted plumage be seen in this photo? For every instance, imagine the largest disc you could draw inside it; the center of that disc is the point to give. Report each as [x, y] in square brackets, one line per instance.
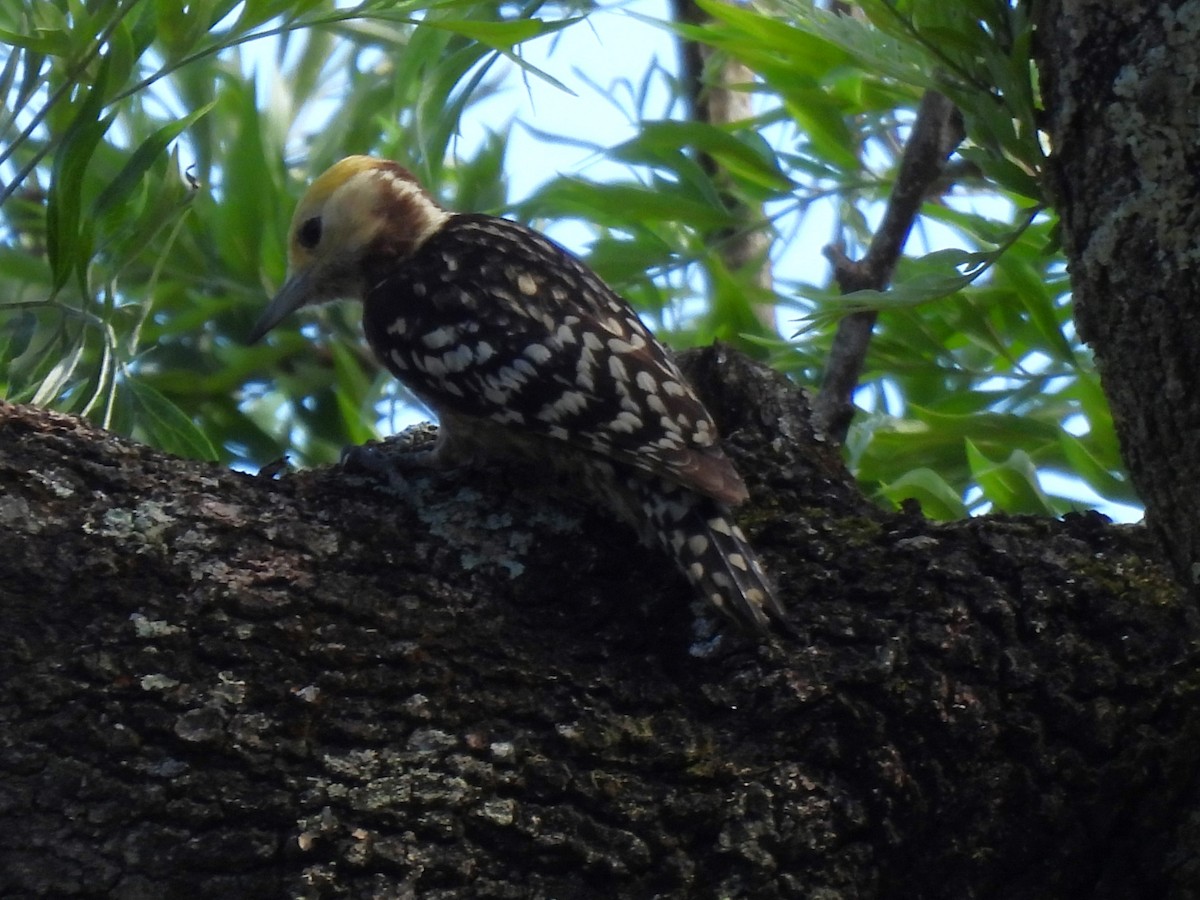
[522, 350]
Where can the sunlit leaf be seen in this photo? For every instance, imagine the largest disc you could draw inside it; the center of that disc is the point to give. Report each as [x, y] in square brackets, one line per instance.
[59, 376]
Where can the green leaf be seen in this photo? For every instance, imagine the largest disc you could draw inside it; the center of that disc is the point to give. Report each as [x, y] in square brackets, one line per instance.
[1100, 478]
[730, 152]
[617, 204]
[164, 424]
[1038, 303]
[497, 35]
[249, 182]
[129, 178]
[122, 56]
[22, 268]
[352, 386]
[59, 376]
[937, 498]
[751, 30]
[44, 42]
[932, 277]
[27, 345]
[64, 203]
[1011, 485]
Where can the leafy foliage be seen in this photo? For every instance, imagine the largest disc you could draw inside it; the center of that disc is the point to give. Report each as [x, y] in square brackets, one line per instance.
[976, 382]
[147, 197]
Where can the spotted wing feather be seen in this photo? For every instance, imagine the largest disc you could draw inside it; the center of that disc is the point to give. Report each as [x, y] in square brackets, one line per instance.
[492, 320]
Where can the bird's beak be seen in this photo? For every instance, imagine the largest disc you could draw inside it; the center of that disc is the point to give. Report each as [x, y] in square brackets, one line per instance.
[293, 295]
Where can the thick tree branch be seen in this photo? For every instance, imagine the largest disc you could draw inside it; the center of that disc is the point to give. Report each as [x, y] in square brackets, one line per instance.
[213, 685]
[935, 134]
[1125, 171]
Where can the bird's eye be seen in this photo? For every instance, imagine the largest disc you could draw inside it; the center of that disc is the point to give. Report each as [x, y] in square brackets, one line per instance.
[308, 235]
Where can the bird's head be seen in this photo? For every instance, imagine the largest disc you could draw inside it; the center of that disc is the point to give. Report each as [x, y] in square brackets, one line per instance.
[359, 217]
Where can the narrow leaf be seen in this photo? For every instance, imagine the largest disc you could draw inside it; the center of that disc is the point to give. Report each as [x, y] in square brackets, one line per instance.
[165, 425]
[937, 498]
[58, 377]
[139, 162]
[1098, 476]
[63, 205]
[1011, 485]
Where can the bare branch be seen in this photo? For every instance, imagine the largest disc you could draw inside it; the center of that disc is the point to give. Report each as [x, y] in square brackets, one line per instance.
[936, 132]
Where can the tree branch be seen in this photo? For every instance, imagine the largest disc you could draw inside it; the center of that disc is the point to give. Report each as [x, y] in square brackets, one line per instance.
[444, 685]
[935, 134]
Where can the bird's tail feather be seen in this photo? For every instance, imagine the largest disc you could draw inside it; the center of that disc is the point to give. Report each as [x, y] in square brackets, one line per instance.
[706, 543]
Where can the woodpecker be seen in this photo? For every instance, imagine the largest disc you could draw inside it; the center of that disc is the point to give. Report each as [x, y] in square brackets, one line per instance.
[522, 352]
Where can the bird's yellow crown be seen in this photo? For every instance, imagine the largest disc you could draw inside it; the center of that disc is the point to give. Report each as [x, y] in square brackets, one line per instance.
[361, 216]
[331, 179]
[356, 201]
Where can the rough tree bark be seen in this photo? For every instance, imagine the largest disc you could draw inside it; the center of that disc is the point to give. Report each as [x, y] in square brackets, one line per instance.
[215, 685]
[1120, 82]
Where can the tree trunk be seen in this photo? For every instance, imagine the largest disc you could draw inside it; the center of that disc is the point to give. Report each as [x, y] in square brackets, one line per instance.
[452, 685]
[1120, 86]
